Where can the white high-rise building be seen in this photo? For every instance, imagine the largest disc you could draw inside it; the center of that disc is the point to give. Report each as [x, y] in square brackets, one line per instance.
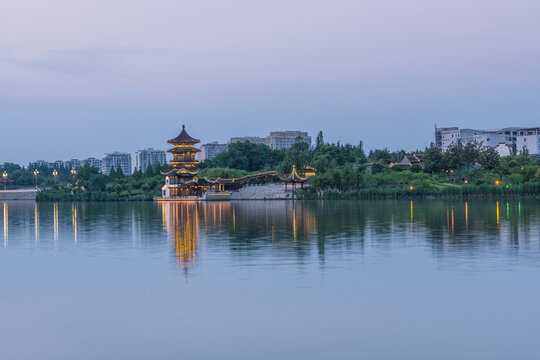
[93, 162]
[210, 150]
[149, 156]
[285, 139]
[116, 159]
[444, 137]
[251, 139]
[529, 138]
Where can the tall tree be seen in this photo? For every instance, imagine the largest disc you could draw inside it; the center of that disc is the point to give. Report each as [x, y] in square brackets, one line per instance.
[360, 154]
[320, 140]
[433, 159]
[119, 172]
[453, 157]
[471, 152]
[489, 158]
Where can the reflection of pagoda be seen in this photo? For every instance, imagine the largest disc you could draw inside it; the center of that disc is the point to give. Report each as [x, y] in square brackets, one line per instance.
[181, 180]
[182, 223]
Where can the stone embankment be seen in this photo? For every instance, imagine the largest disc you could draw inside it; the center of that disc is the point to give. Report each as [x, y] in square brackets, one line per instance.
[21, 194]
[262, 192]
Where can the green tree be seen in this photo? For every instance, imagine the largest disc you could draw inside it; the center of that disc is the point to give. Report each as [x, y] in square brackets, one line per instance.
[489, 158]
[112, 173]
[470, 153]
[360, 154]
[120, 173]
[382, 155]
[453, 157]
[433, 159]
[296, 155]
[319, 141]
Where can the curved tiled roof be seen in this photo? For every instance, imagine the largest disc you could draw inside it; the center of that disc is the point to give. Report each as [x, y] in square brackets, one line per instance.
[179, 172]
[294, 177]
[180, 150]
[183, 138]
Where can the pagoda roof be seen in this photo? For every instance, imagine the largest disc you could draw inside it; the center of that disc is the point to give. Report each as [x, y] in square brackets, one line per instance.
[183, 138]
[294, 177]
[179, 172]
[179, 150]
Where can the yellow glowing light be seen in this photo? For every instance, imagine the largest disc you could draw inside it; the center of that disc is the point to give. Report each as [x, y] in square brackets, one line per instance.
[466, 181]
[497, 182]
[411, 187]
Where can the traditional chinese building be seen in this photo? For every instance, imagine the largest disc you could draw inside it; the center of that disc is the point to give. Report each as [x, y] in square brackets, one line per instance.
[294, 179]
[181, 179]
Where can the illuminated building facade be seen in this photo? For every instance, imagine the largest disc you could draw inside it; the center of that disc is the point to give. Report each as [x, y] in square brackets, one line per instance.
[181, 179]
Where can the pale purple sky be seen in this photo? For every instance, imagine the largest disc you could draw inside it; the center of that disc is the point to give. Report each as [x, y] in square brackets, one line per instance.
[81, 78]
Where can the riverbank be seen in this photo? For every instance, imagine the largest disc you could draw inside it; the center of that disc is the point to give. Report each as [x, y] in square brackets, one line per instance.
[19, 194]
[277, 192]
[483, 191]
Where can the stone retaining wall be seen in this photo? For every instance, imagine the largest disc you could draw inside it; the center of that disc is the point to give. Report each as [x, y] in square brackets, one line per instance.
[262, 192]
[26, 194]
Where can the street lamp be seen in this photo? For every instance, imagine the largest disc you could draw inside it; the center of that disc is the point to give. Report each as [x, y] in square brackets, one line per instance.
[5, 175]
[55, 174]
[73, 172]
[35, 175]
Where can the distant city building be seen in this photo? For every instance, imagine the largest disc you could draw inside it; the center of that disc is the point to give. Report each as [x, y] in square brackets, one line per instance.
[503, 149]
[444, 137]
[58, 164]
[285, 139]
[116, 160]
[43, 163]
[93, 162]
[150, 156]
[276, 140]
[73, 164]
[251, 139]
[530, 139]
[522, 137]
[210, 150]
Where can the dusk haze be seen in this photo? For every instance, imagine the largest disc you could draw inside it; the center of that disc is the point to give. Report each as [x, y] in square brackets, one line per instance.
[274, 180]
[85, 78]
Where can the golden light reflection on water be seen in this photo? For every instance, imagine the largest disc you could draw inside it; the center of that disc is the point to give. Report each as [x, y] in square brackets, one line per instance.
[74, 214]
[498, 219]
[466, 215]
[452, 219]
[6, 224]
[182, 223]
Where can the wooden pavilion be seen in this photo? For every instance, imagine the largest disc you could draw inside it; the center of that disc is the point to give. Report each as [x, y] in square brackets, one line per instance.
[294, 179]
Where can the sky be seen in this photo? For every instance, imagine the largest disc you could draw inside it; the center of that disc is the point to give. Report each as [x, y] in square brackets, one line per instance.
[83, 78]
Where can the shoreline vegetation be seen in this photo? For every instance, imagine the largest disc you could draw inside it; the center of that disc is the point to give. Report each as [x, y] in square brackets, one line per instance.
[343, 172]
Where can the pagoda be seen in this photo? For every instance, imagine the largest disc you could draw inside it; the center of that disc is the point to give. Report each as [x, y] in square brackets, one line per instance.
[181, 178]
[294, 179]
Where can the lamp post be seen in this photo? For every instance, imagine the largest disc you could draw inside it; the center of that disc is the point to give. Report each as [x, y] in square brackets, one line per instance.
[5, 175]
[55, 174]
[74, 173]
[35, 176]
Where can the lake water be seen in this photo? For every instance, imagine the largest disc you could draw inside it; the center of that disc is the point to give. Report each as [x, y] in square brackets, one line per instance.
[270, 280]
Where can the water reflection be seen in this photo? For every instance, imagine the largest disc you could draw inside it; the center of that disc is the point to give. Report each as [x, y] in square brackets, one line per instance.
[278, 229]
[74, 221]
[6, 224]
[181, 220]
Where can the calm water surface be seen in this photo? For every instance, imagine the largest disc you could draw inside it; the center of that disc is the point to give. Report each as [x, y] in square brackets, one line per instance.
[270, 280]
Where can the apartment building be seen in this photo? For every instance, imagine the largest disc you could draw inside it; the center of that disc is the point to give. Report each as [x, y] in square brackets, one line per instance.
[149, 156]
